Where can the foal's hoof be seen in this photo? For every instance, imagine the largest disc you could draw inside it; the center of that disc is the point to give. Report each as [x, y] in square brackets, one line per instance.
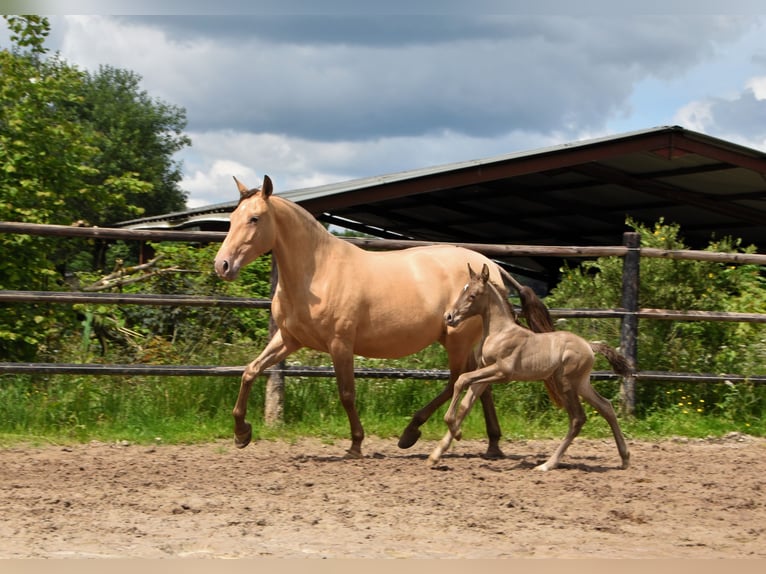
[352, 454]
[241, 440]
[409, 437]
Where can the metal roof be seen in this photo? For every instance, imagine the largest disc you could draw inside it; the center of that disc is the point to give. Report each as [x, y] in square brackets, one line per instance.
[574, 194]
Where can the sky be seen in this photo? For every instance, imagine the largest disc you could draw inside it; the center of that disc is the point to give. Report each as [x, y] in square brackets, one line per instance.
[312, 93]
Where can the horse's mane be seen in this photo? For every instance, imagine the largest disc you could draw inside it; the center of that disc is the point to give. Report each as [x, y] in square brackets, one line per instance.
[532, 309]
[304, 221]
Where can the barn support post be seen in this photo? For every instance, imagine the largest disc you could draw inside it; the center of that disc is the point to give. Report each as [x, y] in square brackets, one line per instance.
[274, 404]
[629, 328]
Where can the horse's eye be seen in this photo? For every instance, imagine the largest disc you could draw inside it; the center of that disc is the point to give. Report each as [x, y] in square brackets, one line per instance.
[254, 219]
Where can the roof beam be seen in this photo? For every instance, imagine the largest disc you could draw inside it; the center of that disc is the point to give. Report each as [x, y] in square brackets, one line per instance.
[670, 192]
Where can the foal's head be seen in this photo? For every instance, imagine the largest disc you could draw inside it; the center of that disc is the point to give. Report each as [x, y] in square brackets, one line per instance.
[472, 299]
[251, 231]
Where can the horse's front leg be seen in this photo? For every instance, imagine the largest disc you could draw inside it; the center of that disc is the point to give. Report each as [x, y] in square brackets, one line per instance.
[276, 350]
[343, 362]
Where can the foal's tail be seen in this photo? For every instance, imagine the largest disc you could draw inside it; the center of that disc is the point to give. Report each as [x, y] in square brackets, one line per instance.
[619, 362]
[532, 308]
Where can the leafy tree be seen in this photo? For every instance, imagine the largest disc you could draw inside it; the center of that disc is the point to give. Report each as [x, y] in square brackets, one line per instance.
[66, 155]
[136, 137]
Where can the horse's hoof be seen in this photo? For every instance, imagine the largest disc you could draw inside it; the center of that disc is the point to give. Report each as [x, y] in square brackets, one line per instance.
[433, 461]
[241, 440]
[494, 453]
[625, 463]
[353, 454]
[543, 467]
[409, 437]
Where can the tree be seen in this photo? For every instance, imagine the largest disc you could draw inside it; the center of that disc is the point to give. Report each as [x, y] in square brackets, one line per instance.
[67, 154]
[137, 137]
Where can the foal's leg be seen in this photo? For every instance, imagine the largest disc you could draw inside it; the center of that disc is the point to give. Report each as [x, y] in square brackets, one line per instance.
[576, 421]
[605, 409]
[453, 430]
[276, 350]
[461, 360]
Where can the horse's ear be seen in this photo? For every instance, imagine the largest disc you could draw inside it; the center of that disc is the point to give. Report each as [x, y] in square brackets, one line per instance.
[241, 187]
[267, 187]
[485, 273]
[471, 274]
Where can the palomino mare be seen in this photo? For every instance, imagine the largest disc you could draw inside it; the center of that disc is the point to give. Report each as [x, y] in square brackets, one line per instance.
[511, 352]
[335, 297]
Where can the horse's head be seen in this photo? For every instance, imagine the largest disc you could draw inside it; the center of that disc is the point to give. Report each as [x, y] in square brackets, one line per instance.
[251, 231]
[472, 299]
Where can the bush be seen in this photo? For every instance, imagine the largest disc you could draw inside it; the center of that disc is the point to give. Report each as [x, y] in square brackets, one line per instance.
[703, 347]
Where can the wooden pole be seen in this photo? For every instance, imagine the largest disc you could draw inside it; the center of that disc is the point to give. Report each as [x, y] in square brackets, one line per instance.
[629, 329]
[274, 407]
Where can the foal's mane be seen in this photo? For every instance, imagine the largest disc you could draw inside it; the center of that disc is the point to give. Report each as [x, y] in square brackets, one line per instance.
[509, 311]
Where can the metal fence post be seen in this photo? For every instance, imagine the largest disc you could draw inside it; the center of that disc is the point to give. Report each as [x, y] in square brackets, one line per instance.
[274, 404]
[629, 328]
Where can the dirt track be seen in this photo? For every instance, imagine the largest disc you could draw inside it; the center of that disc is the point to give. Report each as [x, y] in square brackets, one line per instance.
[679, 499]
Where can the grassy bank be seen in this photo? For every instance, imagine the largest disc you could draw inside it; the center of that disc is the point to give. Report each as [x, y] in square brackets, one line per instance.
[65, 409]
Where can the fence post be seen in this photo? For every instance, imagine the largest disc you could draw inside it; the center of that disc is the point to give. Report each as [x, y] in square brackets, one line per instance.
[274, 404]
[629, 328]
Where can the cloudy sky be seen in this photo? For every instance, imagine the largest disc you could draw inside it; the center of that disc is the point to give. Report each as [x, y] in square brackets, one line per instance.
[361, 89]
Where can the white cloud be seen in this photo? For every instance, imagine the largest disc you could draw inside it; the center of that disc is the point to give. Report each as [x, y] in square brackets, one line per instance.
[695, 116]
[758, 86]
[317, 100]
[294, 163]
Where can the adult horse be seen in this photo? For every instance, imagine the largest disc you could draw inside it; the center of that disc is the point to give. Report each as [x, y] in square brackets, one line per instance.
[335, 297]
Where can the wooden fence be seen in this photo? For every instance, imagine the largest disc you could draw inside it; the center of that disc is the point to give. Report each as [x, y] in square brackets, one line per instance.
[629, 312]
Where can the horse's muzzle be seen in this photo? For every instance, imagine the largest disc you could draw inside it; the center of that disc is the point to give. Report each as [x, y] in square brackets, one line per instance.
[225, 270]
[450, 319]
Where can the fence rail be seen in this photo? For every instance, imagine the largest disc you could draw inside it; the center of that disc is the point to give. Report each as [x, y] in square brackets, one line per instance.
[629, 313]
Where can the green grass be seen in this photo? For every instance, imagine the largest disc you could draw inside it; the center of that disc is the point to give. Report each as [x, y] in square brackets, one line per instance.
[70, 409]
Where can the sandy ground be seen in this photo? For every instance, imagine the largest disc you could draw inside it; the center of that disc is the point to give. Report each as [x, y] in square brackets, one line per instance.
[680, 499]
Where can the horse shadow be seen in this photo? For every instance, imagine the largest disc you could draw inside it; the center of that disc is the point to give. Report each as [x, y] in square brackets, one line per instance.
[586, 464]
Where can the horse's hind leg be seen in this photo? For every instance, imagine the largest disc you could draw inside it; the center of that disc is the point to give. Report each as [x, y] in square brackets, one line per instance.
[605, 409]
[460, 362]
[576, 421]
[492, 424]
[458, 355]
[411, 433]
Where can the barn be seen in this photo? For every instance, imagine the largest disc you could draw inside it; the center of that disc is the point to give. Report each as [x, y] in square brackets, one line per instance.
[576, 194]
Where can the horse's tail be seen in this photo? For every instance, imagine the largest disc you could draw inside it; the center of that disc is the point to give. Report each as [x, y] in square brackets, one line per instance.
[619, 362]
[532, 308]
